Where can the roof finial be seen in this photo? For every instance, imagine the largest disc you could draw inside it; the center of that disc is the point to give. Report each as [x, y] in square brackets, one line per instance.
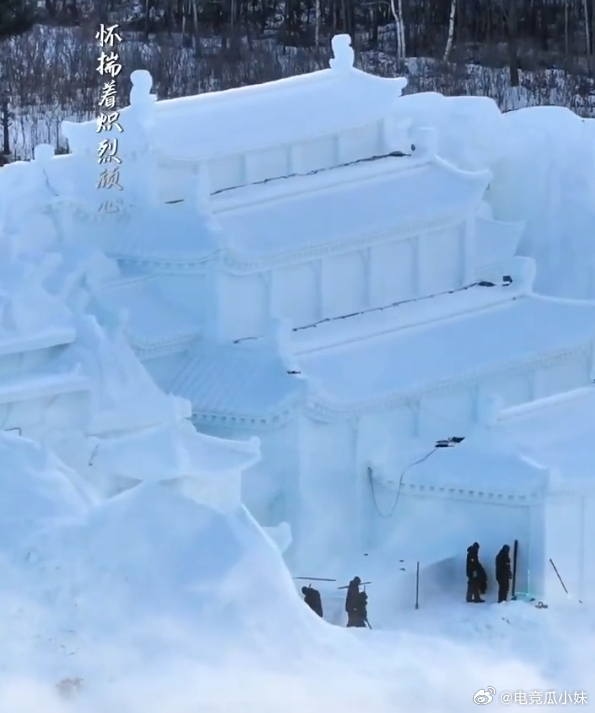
[140, 94]
[343, 54]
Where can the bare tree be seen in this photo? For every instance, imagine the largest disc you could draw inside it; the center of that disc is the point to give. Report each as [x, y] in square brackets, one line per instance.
[396, 7]
[451, 30]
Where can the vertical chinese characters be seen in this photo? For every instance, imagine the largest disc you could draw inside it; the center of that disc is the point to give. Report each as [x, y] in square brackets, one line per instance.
[109, 67]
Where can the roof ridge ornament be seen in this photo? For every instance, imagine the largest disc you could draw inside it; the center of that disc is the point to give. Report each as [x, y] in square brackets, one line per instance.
[343, 54]
[278, 337]
[140, 94]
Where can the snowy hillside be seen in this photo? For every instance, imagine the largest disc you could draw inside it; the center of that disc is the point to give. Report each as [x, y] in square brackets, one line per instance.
[317, 349]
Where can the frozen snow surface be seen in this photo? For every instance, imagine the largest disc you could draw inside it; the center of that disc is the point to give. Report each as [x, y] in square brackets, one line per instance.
[133, 578]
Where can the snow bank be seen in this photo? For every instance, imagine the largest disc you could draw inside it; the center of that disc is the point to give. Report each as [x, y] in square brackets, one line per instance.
[37, 491]
[153, 555]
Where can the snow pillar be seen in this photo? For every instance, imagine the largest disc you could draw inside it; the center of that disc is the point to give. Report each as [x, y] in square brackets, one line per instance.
[487, 408]
[536, 556]
[592, 366]
[582, 535]
[213, 329]
[296, 159]
[469, 251]
[203, 189]
[318, 267]
[416, 249]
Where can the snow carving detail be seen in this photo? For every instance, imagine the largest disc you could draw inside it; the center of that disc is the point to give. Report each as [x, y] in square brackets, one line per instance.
[343, 54]
[140, 94]
[43, 153]
[25, 305]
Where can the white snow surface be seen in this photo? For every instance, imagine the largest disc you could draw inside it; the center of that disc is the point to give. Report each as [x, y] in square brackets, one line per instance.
[154, 601]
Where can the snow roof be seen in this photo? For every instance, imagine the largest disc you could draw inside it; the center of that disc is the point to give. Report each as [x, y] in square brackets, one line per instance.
[412, 359]
[270, 114]
[557, 432]
[152, 319]
[172, 451]
[160, 232]
[42, 385]
[362, 204]
[233, 381]
[52, 337]
[280, 112]
[37, 491]
[484, 461]
[409, 313]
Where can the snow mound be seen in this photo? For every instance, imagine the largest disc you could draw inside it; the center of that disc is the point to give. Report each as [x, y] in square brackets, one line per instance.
[37, 491]
[155, 566]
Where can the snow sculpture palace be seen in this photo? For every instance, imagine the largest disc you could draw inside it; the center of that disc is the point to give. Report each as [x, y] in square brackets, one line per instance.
[298, 262]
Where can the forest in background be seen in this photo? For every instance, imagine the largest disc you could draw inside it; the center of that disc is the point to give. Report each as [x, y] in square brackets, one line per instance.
[518, 52]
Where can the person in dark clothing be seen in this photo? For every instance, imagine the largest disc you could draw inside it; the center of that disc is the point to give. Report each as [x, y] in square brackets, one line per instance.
[351, 601]
[312, 599]
[503, 573]
[361, 610]
[476, 575]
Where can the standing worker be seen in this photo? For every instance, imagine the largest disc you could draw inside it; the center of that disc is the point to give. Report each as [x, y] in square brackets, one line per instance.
[361, 610]
[476, 576]
[312, 599]
[503, 573]
[351, 601]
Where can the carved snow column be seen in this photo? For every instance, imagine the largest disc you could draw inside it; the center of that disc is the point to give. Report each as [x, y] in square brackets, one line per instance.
[317, 266]
[213, 329]
[63, 206]
[488, 406]
[592, 366]
[395, 134]
[278, 338]
[366, 256]
[296, 159]
[202, 189]
[138, 168]
[338, 149]
[244, 169]
[536, 559]
[267, 281]
[469, 242]
[416, 262]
